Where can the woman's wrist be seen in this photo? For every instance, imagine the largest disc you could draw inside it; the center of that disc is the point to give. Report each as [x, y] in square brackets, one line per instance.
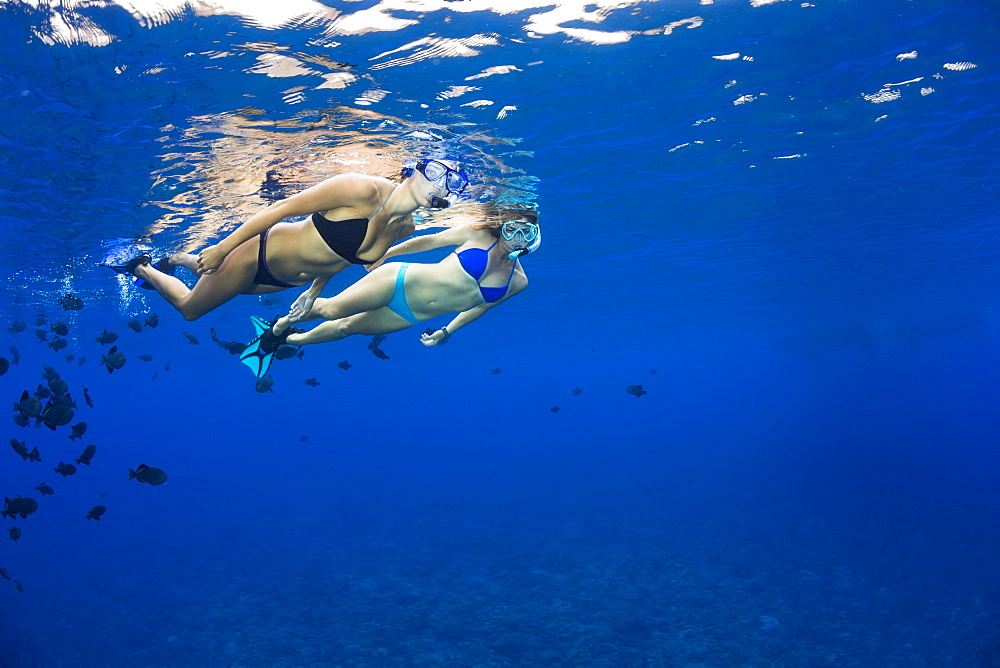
[447, 334]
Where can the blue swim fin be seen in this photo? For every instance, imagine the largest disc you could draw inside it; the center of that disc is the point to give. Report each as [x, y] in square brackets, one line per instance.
[259, 353]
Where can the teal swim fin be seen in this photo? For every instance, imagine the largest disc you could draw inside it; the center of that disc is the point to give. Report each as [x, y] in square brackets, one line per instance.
[259, 353]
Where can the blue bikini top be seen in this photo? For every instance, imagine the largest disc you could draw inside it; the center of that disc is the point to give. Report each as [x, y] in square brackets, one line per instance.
[474, 261]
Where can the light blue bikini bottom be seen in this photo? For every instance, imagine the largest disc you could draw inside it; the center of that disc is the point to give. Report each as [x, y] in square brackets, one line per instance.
[398, 303]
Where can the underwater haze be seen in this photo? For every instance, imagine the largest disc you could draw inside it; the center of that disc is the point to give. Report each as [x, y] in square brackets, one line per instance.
[745, 415]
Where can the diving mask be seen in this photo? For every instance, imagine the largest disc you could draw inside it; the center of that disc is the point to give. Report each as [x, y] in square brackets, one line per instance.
[522, 232]
[454, 181]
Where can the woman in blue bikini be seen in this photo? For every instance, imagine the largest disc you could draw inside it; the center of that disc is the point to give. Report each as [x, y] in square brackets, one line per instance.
[353, 219]
[483, 272]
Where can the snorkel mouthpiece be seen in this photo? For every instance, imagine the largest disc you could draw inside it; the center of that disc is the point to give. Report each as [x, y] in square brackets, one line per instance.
[440, 202]
[533, 246]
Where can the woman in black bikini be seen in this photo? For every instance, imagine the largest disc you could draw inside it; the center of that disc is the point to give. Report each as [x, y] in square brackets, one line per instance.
[353, 219]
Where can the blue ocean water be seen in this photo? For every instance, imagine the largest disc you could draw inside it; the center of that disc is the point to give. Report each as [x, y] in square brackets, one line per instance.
[779, 218]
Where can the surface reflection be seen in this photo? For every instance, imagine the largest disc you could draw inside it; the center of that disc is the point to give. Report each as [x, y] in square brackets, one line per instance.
[67, 24]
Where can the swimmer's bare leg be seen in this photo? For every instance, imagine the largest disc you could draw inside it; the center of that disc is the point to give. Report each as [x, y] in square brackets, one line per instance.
[234, 277]
[380, 321]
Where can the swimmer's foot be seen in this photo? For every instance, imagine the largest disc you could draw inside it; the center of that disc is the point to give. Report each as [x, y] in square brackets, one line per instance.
[130, 266]
[163, 265]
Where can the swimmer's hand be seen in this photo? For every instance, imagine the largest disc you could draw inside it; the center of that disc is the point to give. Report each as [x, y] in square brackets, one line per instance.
[434, 338]
[210, 259]
[300, 307]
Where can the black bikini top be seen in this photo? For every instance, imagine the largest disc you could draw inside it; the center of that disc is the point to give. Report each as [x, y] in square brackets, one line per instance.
[344, 237]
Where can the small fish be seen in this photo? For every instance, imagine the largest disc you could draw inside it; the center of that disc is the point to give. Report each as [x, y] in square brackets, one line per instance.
[18, 506]
[28, 406]
[236, 347]
[17, 327]
[379, 353]
[3, 574]
[285, 352]
[19, 448]
[96, 512]
[65, 470]
[554, 409]
[166, 367]
[4, 365]
[58, 343]
[146, 358]
[70, 357]
[42, 335]
[55, 415]
[88, 454]
[49, 374]
[191, 338]
[60, 328]
[79, 429]
[153, 321]
[376, 341]
[135, 325]
[264, 384]
[58, 386]
[635, 390]
[15, 356]
[41, 319]
[86, 397]
[81, 361]
[577, 391]
[148, 475]
[21, 420]
[45, 490]
[22, 450]
[652, 372]
[15, 533]
[312, 382]
[303, 439]
[17, 583]
[71, 302]
[113, 360]
[345, 365]
[106, 337]
[496, 371]
[154, 376]
[302, 351]
[43, 392]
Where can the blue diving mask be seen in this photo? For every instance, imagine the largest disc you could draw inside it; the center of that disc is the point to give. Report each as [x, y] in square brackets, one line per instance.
[454, 181]
[522, 232]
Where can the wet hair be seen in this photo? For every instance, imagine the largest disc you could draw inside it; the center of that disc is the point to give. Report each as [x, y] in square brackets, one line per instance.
[495, 216]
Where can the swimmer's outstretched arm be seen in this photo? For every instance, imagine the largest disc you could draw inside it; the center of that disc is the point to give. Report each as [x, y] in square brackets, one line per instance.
[455, 236]
[301, 306]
